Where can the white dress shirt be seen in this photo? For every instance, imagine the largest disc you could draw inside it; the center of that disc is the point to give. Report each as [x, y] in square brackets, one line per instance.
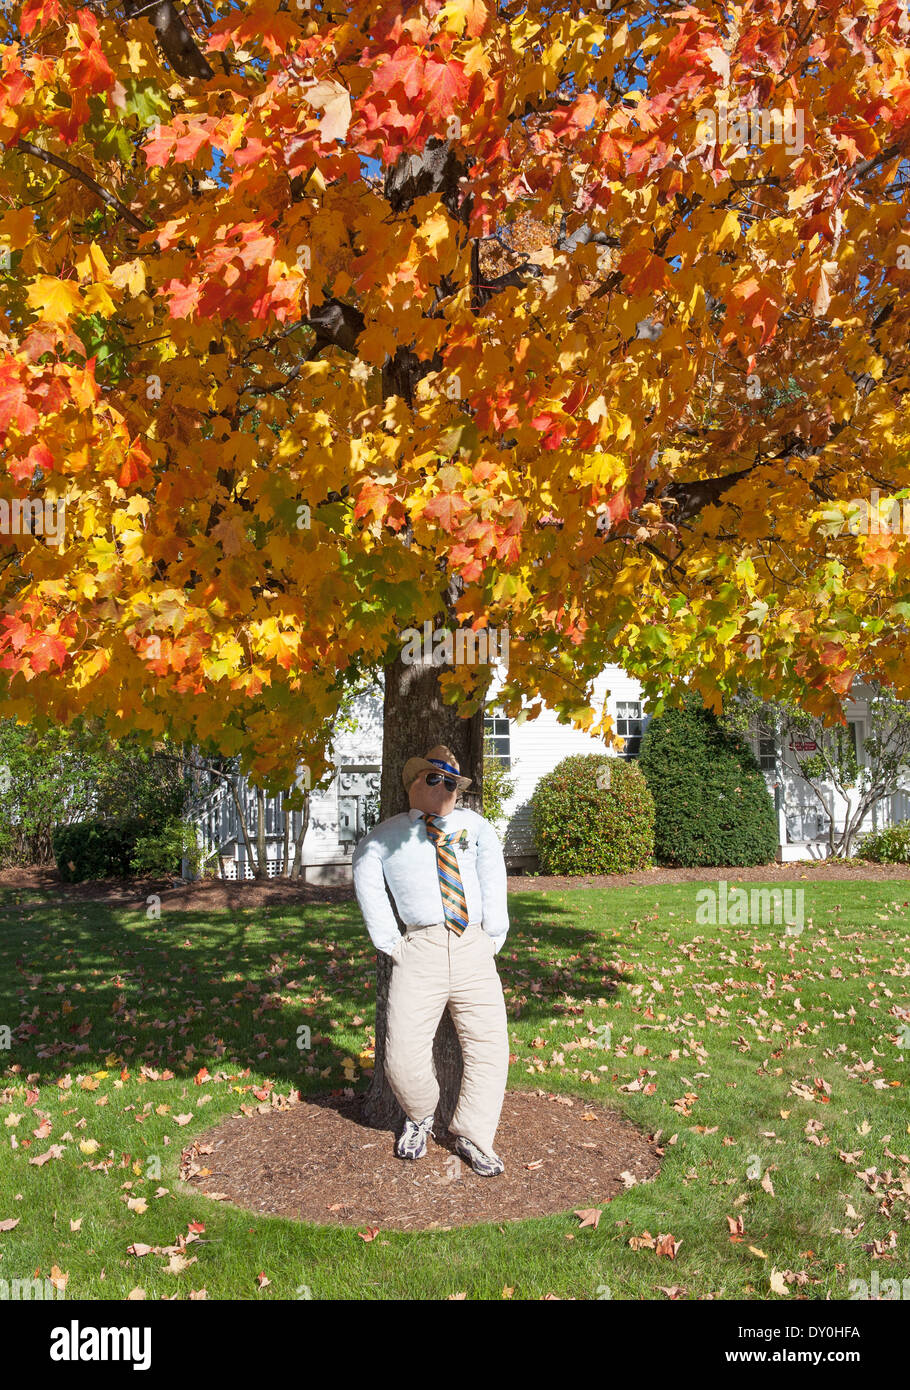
[400, 853]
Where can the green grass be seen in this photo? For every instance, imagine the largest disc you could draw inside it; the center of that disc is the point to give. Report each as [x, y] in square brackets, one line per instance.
[730, 1016]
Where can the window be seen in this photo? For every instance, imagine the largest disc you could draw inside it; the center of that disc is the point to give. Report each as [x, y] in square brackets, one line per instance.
[628, 726]
[767, 752]
[496, 738]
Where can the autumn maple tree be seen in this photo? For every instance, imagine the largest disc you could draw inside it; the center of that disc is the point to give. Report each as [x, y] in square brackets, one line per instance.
[326, 322]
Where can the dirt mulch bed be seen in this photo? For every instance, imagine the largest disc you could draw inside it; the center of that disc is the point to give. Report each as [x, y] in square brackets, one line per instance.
[804, 870]
[318, 1161]
[201, 895]
[247, 893]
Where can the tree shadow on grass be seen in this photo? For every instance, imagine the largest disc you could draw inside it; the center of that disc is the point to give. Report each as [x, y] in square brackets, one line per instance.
[83, 984]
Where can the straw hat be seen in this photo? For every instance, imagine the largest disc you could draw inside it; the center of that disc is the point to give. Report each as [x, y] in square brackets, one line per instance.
[438, 759]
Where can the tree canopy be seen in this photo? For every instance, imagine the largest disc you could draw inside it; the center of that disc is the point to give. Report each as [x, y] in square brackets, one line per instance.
[587, 321]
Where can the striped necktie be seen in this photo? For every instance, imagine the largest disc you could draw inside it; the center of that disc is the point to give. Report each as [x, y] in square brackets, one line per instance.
[453, 899]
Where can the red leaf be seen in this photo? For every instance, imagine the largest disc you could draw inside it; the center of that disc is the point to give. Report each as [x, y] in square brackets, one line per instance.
[13, 404]
[445, 85]
[36, 12]
[446, 509]
[91, 70]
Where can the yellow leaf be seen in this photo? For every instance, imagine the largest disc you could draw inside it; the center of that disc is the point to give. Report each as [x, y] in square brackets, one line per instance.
[129, 276]
[93, 265]
[56, 299]
[96, 300]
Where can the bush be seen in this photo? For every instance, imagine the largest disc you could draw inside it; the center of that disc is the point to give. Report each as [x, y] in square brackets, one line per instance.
[583, 828]
[712, 803]
[96, 849]
[890, 846]
[162, 851]
[66, 775]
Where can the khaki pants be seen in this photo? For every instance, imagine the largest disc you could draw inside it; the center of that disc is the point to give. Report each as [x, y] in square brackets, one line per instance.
[433, 967]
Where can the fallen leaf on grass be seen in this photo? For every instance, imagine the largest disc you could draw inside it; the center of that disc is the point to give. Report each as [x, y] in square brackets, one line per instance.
[777, 1283]
[136, 1295]
[178, 1263]
[369, 1234]
[263, 1280]
[76, 1225]
[590, 1216]
[58, 1278]
[9, 1223]
[55, 1151]
[666, 1245]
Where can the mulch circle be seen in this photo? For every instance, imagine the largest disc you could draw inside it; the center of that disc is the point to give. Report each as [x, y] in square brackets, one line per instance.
[318, 1161]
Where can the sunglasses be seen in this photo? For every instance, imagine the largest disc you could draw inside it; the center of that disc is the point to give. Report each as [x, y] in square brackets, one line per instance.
[434, 778]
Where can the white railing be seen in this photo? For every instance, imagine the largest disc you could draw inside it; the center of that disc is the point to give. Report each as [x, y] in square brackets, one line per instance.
[220, 833]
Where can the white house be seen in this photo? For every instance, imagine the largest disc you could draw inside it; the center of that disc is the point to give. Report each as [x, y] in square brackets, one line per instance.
[343, 811]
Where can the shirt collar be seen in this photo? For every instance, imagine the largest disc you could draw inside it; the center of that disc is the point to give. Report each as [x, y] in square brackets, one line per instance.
[416, 814]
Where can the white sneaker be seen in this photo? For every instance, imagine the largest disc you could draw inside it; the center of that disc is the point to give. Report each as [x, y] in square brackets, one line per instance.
[412, 1142]
[485, 1165]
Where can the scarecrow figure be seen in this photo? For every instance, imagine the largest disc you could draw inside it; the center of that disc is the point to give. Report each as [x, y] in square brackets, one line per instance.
[445, 870]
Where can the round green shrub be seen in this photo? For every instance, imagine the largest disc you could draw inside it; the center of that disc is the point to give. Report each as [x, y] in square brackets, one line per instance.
[582, 826]
[163, 850]
[889, 846]
[96, 849]
[712, 803]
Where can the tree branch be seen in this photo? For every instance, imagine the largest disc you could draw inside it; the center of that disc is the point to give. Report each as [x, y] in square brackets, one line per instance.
[177, 43]
[121, 209]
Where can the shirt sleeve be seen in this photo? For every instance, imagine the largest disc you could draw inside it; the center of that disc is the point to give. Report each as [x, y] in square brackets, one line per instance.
[369, 886]
[491, 872]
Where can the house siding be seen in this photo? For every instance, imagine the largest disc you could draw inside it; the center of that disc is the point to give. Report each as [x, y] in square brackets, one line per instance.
[536, 746]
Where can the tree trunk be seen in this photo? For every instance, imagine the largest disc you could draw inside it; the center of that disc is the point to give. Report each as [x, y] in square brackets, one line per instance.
[241, 817]
[286, 845]
[414, 716]
[297, 867]
[261, 850]
[414, 719]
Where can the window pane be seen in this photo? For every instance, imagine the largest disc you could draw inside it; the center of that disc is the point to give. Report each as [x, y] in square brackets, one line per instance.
[497, 737]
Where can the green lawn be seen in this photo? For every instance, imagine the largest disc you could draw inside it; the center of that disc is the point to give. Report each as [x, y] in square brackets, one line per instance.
[774, 1065]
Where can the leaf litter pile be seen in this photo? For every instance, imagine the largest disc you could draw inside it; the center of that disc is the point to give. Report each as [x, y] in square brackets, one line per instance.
[318, 1161]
